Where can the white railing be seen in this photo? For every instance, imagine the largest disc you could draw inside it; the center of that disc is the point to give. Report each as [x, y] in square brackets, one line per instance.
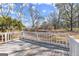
[40, 37]
[59, 40]
[47, 37]
[74, 46]
[7, 36]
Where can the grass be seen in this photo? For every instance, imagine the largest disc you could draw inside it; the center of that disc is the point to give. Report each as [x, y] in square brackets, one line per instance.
[59, 37]
[48, 37]
[76, 36]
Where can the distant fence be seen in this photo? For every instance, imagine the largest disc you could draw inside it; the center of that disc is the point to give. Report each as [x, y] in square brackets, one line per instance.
[7, 36]
[74, 46]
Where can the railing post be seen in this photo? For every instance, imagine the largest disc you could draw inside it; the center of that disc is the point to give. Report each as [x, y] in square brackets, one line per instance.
[2, 38]
[5, 37]
[74, 46]
[10, 36]
[37, 36]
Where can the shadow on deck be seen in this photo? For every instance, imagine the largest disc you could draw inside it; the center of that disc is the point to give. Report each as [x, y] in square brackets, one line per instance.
[50, 46]
[34, 48]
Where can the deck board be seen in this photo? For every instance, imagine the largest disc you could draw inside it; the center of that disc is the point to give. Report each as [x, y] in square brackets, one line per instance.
[24, 48]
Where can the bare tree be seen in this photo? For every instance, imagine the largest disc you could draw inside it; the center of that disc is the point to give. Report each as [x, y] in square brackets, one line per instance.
[77, 14]
[53, 19]
[67, 12]
[35, 17]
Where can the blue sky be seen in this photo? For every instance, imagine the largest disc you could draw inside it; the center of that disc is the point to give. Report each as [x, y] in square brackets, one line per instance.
[44, 10]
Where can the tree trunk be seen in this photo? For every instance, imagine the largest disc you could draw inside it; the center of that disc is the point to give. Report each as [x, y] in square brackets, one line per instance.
[71, 19]
[55, 27]
[58, 22]
[71, 25]
[78, 20]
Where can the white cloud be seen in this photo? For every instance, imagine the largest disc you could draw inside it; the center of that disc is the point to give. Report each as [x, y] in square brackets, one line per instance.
[19, 14]
[12, 12]
[33, 7]
[53, 4]
[5, 5]
[43, 11]
[28, 5]
[25, 4]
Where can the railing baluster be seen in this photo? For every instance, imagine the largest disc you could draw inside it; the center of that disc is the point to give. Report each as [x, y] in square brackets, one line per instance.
[7, 36]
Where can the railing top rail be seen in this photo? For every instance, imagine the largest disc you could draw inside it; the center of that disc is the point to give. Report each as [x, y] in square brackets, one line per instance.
[47, 32]
[2, 33]
[74, 39]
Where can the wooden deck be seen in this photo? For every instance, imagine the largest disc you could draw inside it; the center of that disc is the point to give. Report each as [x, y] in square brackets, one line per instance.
[35, 44]
[26, 47]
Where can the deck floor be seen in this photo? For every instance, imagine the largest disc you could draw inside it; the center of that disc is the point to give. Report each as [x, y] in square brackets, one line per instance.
[26, 47]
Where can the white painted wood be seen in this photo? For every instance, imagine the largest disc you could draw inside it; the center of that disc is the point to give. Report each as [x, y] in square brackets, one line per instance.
[37, 36]
[8, 36]
[5, 37]
[74, 46]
